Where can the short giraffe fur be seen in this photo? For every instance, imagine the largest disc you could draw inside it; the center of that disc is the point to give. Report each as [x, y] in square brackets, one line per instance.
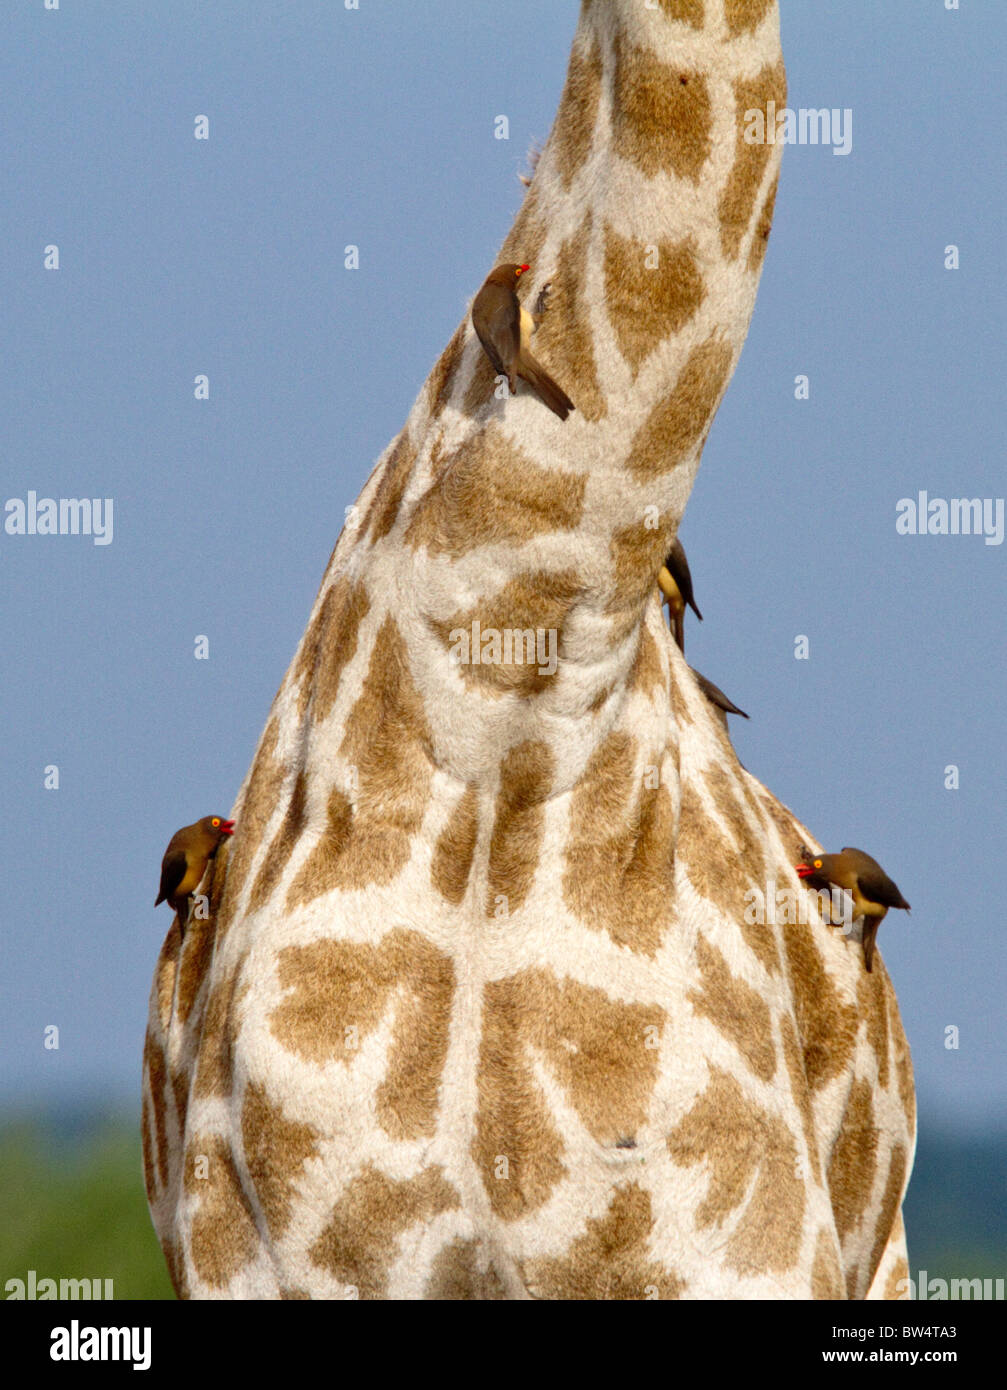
[477, 1012]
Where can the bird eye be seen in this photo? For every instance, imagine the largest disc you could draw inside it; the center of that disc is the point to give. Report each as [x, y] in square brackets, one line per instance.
[216, 822]
[818, 863]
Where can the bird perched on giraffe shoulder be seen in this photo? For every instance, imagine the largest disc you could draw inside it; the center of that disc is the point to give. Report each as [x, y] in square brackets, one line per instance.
[504, 327]
[675, 582]
[872, 891]
[184, 864]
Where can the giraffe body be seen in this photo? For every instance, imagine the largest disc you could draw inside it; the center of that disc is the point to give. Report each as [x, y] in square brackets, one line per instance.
[480, 1011]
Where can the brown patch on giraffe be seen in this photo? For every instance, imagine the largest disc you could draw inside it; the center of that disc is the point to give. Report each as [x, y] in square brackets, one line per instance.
[288, 1295]
[745, 16]
[826, 1026]
[534, 600]
[600, 700]
[595, 1048]
[264, 787]
[734, 799]
[360, 1241]
[452, 858]
[760, 238]
[637, 552]
[200, 937]
[165, 974]
[679, 703]
[322, 871]
[740, 1143]
[180, 1084]
[458, 1274]
[737, 201]
[338, 643]
[573, 129]
[735, 1009]
[897, 1283]
[564, 342]
[826, 1274]
[662, 116]
[215, 1059]
[283, 844]
[800, 1089]
[901, 1060]
[176, 1267]
[306, 662]
[157, 1089]
[490, 493]
[223, 1236]
[442, 378]
[330, 646]
[439, 459]
[853, 1163]
[388, 742]
[150, 1182]
[889, 1213]
[611, 1260]
[526, 777]
[276, 1150]
[334, 987]
[722, 868]
[786, 823]
[646, 305]
[688, 11]
[677, 426]
[384, 508]
[872, 1006]
[646, 674]
[619, 859]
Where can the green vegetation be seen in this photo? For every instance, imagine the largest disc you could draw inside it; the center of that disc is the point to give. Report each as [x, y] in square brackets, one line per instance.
[74, 1207]
[956, 1208]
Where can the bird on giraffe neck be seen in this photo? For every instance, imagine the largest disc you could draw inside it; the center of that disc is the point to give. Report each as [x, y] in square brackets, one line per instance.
[717, 698]
[872, 891]
[675, 582]
[184, 864]
[504, 328]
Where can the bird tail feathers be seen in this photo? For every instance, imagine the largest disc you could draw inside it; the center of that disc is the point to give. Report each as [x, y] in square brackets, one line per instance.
[549, 392]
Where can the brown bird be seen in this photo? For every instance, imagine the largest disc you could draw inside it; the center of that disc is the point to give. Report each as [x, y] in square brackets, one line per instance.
[872, 891]
[184, 864]
[504, 328]
[675, 583]
[717, 697]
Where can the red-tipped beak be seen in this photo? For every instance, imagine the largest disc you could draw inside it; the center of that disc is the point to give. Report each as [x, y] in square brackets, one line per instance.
[522, 268]
[227, 827]
[804, 870]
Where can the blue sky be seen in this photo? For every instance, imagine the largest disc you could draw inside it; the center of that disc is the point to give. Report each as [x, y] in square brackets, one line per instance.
[225, 257]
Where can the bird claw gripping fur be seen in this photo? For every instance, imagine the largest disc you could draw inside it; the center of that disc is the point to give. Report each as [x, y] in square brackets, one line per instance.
[541, 303]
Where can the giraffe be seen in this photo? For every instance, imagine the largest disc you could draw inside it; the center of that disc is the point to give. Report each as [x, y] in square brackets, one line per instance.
[481, 1008]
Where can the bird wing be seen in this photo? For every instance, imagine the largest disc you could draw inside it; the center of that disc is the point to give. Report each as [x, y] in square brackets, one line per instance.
[874, 884]
[877, 887]
[173, 869]
[716, 696]
[678, 567]
[498, 328]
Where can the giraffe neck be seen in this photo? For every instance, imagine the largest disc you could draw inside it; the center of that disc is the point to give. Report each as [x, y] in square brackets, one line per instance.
[495, 532]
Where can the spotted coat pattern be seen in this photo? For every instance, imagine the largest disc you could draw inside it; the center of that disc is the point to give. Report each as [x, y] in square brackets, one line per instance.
[478, 1010]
